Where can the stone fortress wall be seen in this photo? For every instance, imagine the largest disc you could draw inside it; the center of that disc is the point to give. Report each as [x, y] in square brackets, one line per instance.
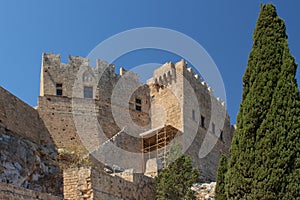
[168, 99]
[11, 192]
[181, 98]
[28, 154]
[57, 111]
[29, 170]
[90, 183]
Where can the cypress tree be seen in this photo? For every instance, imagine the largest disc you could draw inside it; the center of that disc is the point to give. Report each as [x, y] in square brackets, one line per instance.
[256, 100]
[264, 161]
[220, 187]
[277, 149]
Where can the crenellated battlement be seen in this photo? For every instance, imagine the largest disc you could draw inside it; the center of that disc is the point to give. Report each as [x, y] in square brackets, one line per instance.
[51, 59]
[58, 78]
[200, 83]
[166, 75]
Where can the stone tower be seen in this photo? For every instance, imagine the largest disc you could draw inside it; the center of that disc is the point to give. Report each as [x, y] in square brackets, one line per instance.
[180, 98]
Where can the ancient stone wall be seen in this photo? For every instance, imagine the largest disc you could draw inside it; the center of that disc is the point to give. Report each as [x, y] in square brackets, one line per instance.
[122, 150]
[175, 96]
[94, 184]
[77, 184]
[180, 98]
[17, 116]
[60, 117]
[56, 113]
[28, 154]
[71, 78]
[114, 102]
[11, 192]
[107, 187]
[166, 96]
[213, 137]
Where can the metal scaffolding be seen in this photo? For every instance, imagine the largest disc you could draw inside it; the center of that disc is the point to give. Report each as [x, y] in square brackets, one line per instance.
[155, 142]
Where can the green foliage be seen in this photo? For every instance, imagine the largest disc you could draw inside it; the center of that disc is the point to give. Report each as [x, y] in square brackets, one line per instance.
[175, 181]
[264, 161]
[220, 187]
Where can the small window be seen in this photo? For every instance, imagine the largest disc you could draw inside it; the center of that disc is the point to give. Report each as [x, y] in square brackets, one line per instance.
[202, 121]
[152, 98]
[193, 114]
[87, 79]
[213, 127]
[138, 101]
[59, 91]
[58, 85]
[221, 135]
[138, 108]
[88, 92]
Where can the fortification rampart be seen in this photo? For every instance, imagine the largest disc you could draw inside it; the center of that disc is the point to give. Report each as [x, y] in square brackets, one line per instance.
[28, 154]
[182, 99]
[78, 182]
[63, 83]
[14, 115]
[12, 192]
[174, 96]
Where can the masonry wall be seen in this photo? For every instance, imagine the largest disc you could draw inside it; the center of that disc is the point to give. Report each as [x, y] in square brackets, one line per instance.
[73, 76]
[115, 188]
[17, 116]
[167, 99]
[208, 144]
[122, 150]
[60, 117]
[56, 113]
[94, 184]
[72, 119]
[77, 184]
[28, 154]
[179, 98]
[10, 192]
[166, 96]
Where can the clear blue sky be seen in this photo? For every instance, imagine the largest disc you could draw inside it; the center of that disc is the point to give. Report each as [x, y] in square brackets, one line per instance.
[69, 27]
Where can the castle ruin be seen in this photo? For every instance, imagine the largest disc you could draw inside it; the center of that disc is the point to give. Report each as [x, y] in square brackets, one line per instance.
[97, 109]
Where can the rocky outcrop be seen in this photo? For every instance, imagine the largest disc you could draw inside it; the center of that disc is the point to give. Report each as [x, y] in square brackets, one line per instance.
[26, 164]
[205, 191]
[27, 151]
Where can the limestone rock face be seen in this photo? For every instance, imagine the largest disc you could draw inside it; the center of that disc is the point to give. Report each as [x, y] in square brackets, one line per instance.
[27, 152]
[26, 164]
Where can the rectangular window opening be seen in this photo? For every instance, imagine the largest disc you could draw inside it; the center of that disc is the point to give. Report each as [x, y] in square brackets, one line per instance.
[138, 101]
[88, 92]
[58, 85]
[202, 121]
[59, 91]
[138, 108]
